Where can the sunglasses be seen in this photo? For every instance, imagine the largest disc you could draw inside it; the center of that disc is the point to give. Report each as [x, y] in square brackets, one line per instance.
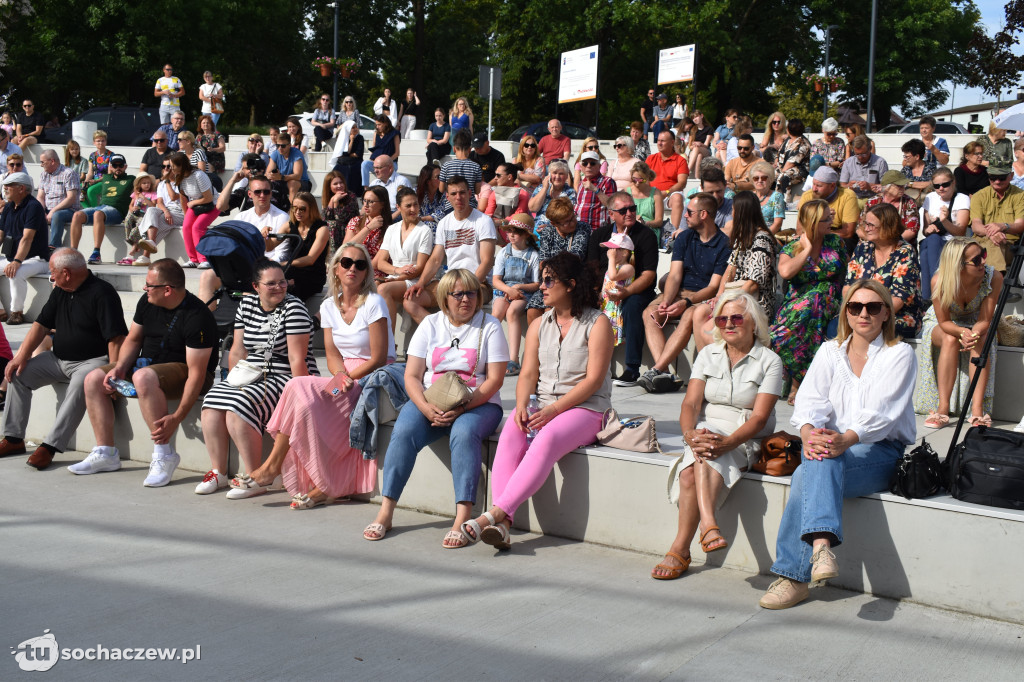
[588, 162]
[856, 307]
[346, 263]
[166, 166]
[759, 178]
[282, 146]
[723, 320]
[158, 140]
[776, 123]
[459, 295]
[624, 210]
[977, 260]
[744, 149]
[255, 139]
[15, 164]
[529, 145]
[300, 208]
[618, 146]
[260, 192]
[549, 282]
[998, 178]
[943, 185]
[118, 165]
[636, 181]
[325, 99]
[591, 148]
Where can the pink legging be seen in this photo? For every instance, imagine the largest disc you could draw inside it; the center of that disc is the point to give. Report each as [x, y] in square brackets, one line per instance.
[519, 471]
[193, 229]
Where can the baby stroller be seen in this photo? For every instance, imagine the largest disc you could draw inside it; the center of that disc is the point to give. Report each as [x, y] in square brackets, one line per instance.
[232, 248]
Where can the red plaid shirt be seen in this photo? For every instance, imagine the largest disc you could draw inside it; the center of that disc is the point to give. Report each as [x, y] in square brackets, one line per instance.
[589, 208]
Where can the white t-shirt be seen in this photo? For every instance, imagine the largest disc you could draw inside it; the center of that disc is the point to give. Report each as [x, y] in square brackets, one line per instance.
[933, 202]
[168, 84]
[394, 182]
[420, 240]
[275, 219]
[461, 238]
[432, 341]
[207, 90]
[173, 205]
[353, 340]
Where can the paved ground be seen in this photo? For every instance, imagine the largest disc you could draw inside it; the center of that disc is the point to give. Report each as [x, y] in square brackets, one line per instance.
[270, 593]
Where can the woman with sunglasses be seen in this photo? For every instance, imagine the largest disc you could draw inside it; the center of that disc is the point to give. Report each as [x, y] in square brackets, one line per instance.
[308, 271]
[855, 418]
[369, 226]
[851, 131]
[884, 256]
[348, 112]
[774, 136]
[463, 339]
[621, 166]
[964, 295]
[159, 221]
[773, 204]
[650, 202]
[589, 145]
[273, 322]
[971, 175]
[324, 121]
[946, 213]
[310, 424]
[815, 266]
[567, 365]
[729, 407]
[531, 161]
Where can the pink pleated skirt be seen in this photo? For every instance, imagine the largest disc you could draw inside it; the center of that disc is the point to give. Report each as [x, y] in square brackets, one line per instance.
[317, 426]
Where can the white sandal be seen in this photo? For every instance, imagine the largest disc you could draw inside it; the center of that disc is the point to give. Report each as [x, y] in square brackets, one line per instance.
[244, 485]
[496, 535]
[472, 525]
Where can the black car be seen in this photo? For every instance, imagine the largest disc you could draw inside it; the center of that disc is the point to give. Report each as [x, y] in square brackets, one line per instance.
[572, 130]
[125, 125]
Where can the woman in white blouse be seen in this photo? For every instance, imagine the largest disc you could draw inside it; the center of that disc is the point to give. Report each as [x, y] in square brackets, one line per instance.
[856, 416]
[729, 407]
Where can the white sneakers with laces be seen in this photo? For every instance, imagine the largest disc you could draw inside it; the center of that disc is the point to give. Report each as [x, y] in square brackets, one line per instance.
[212, 482]
[97, 462]
[161, 469]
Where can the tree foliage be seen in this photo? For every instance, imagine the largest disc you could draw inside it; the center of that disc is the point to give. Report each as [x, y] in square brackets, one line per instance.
[991, 63]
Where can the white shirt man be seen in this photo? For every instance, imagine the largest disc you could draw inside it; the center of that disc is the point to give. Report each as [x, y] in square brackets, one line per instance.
[386, 177]
[267, 218]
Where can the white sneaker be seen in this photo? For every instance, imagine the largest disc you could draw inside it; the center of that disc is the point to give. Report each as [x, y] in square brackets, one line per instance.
[95, 463]
[1019, 428]
[212, 482]
[205, 265]
[161, 469]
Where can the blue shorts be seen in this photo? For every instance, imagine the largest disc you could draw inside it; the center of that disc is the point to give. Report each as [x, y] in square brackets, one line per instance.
[112, 215]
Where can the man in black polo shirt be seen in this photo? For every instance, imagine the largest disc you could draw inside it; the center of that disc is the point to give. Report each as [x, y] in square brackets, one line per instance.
[88, 322]
[636, 296]
[173, 334]
[25, 231]
[485, 156]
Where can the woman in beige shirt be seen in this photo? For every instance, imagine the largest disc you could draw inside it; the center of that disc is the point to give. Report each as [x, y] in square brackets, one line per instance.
[566, 364]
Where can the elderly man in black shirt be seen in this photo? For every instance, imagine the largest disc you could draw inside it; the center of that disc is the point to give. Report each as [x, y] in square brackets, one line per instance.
[88, 322]
[23, 231]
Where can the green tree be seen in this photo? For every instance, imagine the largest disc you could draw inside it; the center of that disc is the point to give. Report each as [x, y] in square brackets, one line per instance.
[991, 63]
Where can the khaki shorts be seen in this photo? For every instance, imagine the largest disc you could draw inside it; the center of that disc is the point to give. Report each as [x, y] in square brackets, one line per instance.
[172, 377]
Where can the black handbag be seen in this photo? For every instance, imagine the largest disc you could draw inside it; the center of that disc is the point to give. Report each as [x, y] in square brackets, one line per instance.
[200, 209]
[918, 474]
[988, 468]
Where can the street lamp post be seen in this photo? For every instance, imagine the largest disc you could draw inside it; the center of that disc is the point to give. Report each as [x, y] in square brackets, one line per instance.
[334, 97]
[828, 45]
[871, 62]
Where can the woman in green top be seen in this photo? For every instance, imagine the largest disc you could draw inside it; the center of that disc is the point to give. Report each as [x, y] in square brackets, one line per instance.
[997, 149]
[650, 203]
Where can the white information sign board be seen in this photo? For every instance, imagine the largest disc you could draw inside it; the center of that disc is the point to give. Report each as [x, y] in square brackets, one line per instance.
[675, 64]
[577, 75]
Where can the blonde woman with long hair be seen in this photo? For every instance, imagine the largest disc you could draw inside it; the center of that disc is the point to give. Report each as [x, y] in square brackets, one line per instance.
[460, 116]
[531, 161]
[589, 145]
[815, 266]
[964, 294]
[774, 136]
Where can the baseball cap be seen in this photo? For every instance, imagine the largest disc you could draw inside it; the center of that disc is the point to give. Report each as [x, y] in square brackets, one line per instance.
[118, 160]
[479, 140]
[592, 156]
[619, 240]
[999, 170]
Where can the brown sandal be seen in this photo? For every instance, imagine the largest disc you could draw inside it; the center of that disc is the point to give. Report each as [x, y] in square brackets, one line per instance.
[673, 571]
[706, 544]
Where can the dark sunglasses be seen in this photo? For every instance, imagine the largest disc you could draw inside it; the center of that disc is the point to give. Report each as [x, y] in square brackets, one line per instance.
[744, 149]
[459, 295]
[282, 146]
[118, 165]
[979, 259]
[529, 145]
[166, 166]
[346, 263]
[618, 146]
[942, 185]
[775, 123]
[158, 140]
[255, 139]
[15, 164]
[260, 192]
[624, 210]
[549, 282]
[591, 148]
[856, 307]
[759, 178]
[998, 178]
[722, 320]
[588, 162]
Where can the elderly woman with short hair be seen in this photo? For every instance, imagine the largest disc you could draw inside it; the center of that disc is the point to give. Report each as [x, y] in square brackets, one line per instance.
[555, 184]
[560, 232]
[621, 166]
[773, 204]
[729, 406]
[916, 168]
[971, 175]
[463, 339]
[894, 184]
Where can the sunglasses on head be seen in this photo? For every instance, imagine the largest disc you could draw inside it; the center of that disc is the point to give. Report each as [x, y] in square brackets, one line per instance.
[723, 320]
[255, 139]
[979, 259]
[346, 263]
[529, 145]
[624, 210]
[942, 185]
[459, 295]
[856, 307]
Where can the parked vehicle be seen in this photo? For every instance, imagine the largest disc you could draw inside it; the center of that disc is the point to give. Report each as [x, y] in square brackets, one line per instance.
[573, 130]
[126, 125]
[941, 128]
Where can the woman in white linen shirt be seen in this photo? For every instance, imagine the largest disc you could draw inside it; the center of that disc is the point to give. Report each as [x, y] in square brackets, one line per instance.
[729, 407]
[856, 416]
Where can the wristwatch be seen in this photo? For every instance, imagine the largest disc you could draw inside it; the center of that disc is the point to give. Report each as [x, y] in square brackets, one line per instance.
[689, 303]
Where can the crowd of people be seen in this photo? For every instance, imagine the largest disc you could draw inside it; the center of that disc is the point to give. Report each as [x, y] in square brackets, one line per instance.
[565, 252]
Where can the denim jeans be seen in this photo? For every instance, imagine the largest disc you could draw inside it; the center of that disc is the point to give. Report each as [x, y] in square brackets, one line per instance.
[816, 500]
[112, 215]
[930, 250]
[413, 432]
[633, 327]
[57, 223]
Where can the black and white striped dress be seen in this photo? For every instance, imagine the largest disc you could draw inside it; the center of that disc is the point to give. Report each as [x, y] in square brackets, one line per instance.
[256, 402]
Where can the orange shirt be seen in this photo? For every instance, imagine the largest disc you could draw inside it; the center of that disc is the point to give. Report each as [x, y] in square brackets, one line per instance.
[667, 171]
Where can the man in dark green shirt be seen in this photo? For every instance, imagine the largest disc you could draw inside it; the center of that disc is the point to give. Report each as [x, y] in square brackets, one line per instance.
[115, 195]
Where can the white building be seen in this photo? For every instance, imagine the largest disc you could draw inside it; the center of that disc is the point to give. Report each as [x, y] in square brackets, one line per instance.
[972, 115]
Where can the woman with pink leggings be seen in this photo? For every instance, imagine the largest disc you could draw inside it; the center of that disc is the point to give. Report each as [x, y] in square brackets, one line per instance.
[197, 200]
[567, 365]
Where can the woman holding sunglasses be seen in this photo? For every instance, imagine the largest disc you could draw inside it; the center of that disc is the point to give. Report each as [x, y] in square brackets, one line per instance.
[729, 406]
[310, 424]
[272, 331]
[463, 339]
[964, 295]
[531, 161]
[589, 145]
[566, 364]
[855, 418]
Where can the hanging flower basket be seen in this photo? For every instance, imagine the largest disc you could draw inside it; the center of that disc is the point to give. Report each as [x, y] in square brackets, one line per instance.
[819, 82]
[818, 87]
[325, 69]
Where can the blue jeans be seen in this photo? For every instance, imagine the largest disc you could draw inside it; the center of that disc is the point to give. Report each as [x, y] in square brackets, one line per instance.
[216, 119]
[930, 250]
[816, 500]
[57, 223]
[366, 168]
[413, 432]
[633, 327]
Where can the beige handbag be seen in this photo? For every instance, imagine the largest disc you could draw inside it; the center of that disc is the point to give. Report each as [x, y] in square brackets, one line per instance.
[1011, 331]
[451, 390]
[638, 434]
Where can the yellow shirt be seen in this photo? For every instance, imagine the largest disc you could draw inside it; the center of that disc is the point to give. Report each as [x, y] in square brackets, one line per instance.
[988, 208]
[844, 205]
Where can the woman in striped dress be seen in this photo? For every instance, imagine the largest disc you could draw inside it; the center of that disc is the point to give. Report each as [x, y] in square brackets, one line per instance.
[271, 320]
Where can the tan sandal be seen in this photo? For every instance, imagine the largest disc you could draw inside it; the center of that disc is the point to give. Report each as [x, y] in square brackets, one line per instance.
[706, 544]
[672, 572]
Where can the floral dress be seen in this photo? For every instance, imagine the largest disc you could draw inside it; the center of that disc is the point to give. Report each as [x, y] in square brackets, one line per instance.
[926, 394]
[797, 152]
[100, 164]
[337, 218]
[774, 207]
[811, 302]
[374, 238]
[900, 274]
[209, 141]
[613, 309]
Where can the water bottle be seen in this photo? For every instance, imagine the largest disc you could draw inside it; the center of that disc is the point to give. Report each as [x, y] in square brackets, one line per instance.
[532, 408]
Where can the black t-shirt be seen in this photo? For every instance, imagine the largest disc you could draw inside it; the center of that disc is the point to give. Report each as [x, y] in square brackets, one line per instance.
[154, 160]
[645, 249]
[648, 109]
[704, 134]
[84, 320]
[29, 122]
[14, 220]
[488, 162]
[193, 328]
